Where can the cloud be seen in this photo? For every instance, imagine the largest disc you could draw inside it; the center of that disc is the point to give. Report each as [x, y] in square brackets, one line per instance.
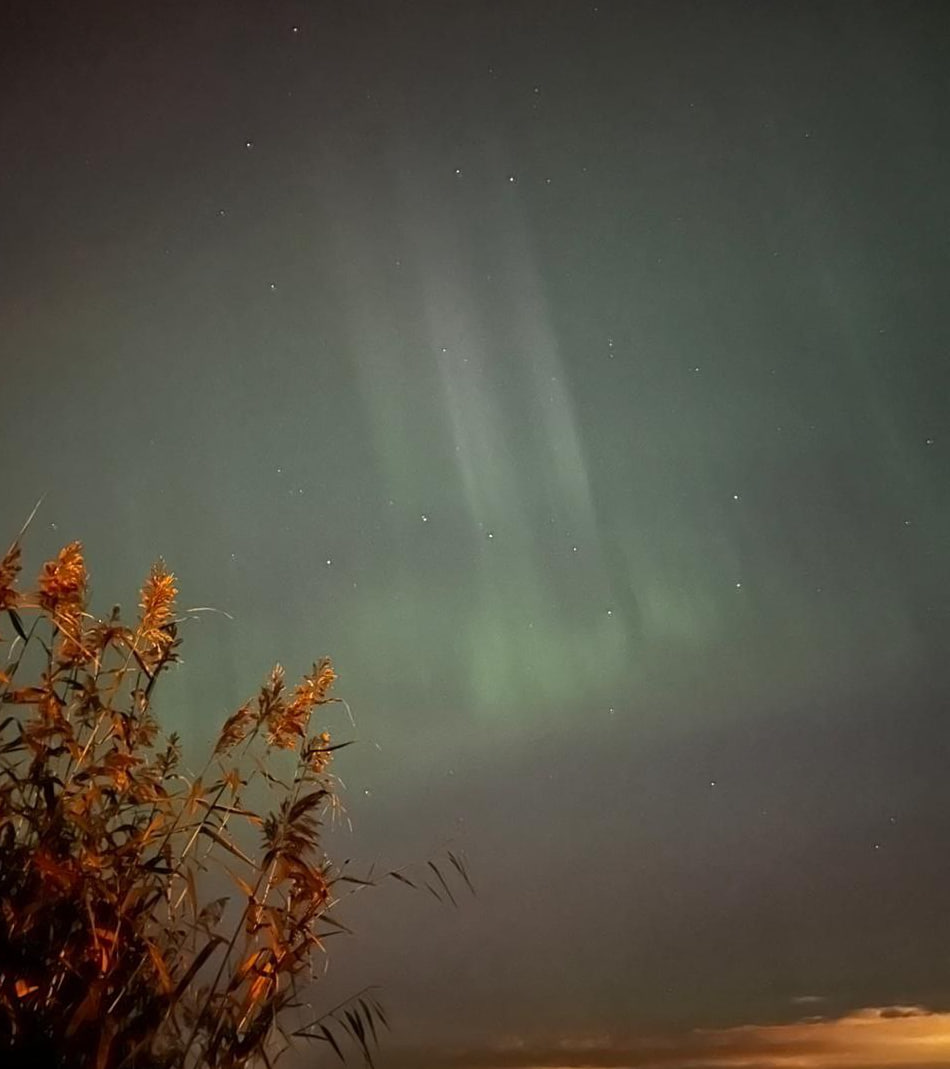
[876, 1037]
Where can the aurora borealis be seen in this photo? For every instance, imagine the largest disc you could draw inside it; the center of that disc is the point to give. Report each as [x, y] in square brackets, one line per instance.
[573, 374]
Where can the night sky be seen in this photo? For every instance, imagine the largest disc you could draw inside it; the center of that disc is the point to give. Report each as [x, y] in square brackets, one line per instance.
[575, 376]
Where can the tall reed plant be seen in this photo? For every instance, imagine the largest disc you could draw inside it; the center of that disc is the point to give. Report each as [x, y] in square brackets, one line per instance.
[111, 954]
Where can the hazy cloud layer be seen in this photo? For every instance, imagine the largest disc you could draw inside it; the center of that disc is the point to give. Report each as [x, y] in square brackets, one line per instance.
[889, 1037]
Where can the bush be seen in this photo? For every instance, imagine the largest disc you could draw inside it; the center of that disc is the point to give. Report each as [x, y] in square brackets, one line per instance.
[110, 956]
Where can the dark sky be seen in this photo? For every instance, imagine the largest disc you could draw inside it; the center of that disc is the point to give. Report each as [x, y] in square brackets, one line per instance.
[575, 375]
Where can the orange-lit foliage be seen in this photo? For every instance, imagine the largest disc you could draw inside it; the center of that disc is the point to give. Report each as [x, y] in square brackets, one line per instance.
[109, 957]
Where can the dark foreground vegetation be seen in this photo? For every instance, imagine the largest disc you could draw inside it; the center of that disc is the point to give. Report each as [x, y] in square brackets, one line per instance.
[111, 954]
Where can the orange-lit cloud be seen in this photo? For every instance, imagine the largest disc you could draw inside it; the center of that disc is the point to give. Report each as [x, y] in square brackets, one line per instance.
[885, 1037]
[892, 1037]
